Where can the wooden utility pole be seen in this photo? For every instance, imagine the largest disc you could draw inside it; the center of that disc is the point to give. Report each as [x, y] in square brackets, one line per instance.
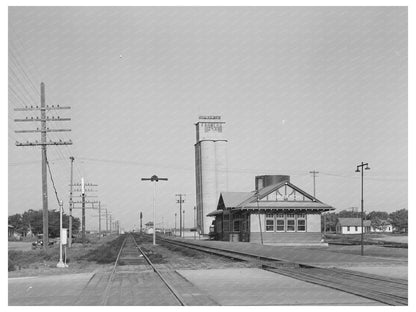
[141, 220]
[314, 173]
[111, 223]
[70, 204]
[106, 220]
[43, 143]
[99, 219]
[180, 201]
[85, 188]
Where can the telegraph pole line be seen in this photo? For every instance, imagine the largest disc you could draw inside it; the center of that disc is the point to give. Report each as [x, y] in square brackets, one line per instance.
[85, 187]
[43, 143]
[180, 201]
[314, 174]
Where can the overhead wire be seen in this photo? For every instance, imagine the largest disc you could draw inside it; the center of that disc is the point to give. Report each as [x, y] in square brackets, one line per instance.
[18, 56]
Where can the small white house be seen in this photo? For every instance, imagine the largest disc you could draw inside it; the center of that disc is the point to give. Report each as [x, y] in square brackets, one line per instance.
[352, 226]
[148, 227]
[384, 227]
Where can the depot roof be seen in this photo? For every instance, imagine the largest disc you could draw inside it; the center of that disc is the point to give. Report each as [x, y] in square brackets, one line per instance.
[280, 196]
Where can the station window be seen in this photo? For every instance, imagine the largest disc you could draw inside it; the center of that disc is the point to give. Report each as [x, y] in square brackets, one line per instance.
[290, 225]
[269, 223]
[280, 224]
[236, 227]
[226, 224]
[348, 228]
[356, 228]
[301, 225]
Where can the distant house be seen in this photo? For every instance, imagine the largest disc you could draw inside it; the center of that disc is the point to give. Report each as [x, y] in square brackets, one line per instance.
[148, 228]
[384, 226]
[352, 226]
[11, 230]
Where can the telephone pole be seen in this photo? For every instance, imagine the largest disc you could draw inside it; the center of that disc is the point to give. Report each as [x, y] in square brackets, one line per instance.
[141, 220]
[85, 187]
[70, 204]
[99, 219]
[314, 174]
[180, 201]
[43, 143]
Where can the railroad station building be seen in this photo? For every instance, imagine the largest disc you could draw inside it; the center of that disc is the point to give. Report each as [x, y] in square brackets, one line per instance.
[277, 212]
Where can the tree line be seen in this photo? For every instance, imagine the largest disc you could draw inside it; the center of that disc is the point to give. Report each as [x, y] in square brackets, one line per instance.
[378, 219]
[31, 221]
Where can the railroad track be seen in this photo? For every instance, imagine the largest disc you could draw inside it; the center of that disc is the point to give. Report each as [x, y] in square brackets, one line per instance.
[131, 254]
[389, 291]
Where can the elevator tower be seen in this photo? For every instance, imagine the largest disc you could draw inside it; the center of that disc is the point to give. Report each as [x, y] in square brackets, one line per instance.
[210, 168]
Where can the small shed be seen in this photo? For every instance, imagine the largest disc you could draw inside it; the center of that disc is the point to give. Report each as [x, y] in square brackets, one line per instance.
[352, 226]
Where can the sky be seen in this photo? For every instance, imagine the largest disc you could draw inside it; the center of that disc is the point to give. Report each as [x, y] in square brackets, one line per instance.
[300, 89]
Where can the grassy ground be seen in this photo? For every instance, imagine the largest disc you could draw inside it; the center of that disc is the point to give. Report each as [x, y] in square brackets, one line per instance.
[372, 250]
[80, 258]
[396, 240]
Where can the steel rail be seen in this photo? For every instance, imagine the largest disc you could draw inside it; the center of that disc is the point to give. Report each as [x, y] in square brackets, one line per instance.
[171, 289]
[105, 296]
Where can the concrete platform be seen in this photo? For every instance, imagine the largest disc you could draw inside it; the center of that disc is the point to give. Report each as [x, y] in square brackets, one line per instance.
[55, 290]
[237, 287]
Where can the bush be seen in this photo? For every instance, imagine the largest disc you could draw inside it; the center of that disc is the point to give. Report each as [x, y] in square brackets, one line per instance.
[12, 266]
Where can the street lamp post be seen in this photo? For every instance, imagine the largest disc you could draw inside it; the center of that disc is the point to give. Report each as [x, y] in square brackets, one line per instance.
[362, 201]
[154, 179]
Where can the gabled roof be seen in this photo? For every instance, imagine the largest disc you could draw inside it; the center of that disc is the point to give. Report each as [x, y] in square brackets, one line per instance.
[271, 188]
[253, 200]
[233, 199]
[353, 222]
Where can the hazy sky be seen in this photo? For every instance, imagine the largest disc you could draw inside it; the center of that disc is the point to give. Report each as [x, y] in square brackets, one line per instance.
[300, 89]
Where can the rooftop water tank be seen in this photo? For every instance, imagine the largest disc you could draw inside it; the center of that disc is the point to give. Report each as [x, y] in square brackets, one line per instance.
[266, 180]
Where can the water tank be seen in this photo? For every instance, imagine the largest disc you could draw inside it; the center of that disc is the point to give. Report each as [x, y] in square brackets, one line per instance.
[266, 180]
